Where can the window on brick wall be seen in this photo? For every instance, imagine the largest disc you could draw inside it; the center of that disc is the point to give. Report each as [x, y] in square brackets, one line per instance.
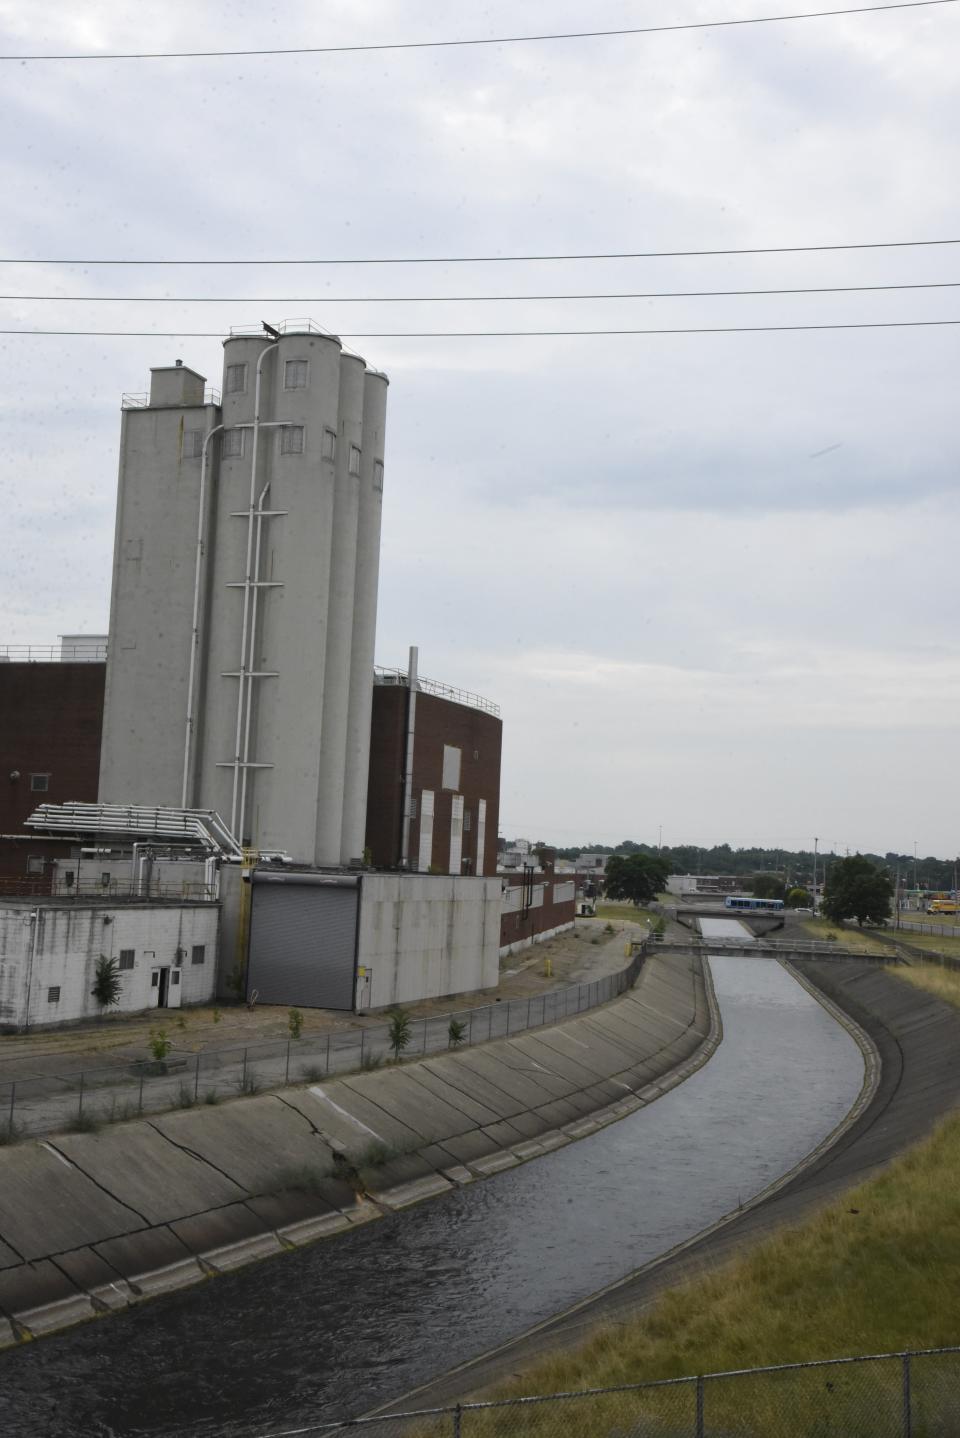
[127, 957]
[39, 783]
[35, 865]
[451, 767]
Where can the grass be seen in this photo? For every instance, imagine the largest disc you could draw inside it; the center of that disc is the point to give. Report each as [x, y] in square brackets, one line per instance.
[876, 1271]
[853, 940]
[625, 913]
[944, 983]
[939, 943]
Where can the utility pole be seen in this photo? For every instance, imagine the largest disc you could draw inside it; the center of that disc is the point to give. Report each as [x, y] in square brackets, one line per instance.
[815, 843]
[916, 881]
[897, 898]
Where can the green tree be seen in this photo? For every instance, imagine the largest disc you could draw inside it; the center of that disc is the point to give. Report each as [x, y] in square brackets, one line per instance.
[798, 899]
[856, 889]
[767, 886]
[398, 1030]
[638, 878]
[107, 983]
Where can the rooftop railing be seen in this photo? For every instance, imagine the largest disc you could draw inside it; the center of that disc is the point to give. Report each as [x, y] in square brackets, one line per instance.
[53, 653]
[140, 399]
[433, 686]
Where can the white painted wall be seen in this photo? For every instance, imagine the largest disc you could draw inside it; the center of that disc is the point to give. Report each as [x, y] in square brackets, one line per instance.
[58, 945]
[428, 935]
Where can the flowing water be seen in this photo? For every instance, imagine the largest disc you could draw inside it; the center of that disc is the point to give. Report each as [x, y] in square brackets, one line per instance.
[333, 1330]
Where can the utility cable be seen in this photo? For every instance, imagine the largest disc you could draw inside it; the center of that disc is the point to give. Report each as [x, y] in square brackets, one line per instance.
[520, 259]
[503, 334]
[490, 40]
[469, 299]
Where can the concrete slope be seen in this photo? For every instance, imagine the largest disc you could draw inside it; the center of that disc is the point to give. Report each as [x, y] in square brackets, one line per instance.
[94, 1221]
[918, 1041]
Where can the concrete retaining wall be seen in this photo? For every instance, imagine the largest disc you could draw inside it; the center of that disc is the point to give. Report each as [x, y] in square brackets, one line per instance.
[94, 1222]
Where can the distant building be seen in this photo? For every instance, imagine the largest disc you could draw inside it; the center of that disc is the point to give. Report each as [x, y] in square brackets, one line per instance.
[537, 905]
[688, 885]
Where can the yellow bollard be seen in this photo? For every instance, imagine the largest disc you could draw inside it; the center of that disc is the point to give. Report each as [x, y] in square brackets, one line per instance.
[627, 950]
[548, 968]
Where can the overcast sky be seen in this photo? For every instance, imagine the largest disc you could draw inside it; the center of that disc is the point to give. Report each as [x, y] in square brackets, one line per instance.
[711, 579]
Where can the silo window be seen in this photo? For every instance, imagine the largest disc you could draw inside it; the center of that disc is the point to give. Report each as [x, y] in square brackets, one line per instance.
[354, 459]
[329, 450]
[295, 374]
[291, 439]
[235, 379]
[378, 475]
[192, 443]
[231, 445]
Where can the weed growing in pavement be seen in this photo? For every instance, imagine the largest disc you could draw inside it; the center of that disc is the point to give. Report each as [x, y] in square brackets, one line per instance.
[83, 1123]
[186, 1098]
[11, 1132]
[211, 1096]
[249, 1084]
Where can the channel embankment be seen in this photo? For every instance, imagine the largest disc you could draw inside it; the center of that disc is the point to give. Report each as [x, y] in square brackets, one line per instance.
[917, 1040]
[94, 1222]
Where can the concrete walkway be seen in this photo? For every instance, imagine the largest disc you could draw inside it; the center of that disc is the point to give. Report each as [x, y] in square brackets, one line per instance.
[91, 1222]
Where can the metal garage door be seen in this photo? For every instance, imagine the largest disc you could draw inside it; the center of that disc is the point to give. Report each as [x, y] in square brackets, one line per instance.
[303, 940]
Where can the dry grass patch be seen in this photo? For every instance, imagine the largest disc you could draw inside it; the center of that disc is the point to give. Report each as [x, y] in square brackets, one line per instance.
[944, 983]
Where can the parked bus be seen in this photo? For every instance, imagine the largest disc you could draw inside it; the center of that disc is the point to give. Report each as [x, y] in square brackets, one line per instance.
[733, 902]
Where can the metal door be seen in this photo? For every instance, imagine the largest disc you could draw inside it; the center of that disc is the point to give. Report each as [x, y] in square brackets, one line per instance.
[174, 989]
[303, 939]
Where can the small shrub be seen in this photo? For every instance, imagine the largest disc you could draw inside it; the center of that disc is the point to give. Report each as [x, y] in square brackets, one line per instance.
[107, 983]
[121, 1112]
[181, 1022]
[295, 1023]
[456, 1033]
[217, 1016]
[371, 1061]
[249, 1084]
[211, 1096]
[398, 1030]
[185, 1096]
[313, 1073]
[608, 928]
[159, 1044]
[375, 1155]
[831, 937]
[11, 1132]
[660, 927]
[595, 939]
[83, 1123]
[302, 1178]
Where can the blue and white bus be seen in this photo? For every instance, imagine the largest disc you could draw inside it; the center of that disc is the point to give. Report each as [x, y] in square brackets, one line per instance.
[732, 901]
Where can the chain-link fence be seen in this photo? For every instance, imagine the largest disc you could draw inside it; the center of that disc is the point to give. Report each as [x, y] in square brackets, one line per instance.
[890, 1395]
[51, 1103]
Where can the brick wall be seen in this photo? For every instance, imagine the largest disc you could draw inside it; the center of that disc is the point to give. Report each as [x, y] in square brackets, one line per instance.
[50, 721]
[439, 722]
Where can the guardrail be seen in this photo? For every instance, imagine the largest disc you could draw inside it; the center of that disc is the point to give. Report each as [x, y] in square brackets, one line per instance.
[400, 677]
[52, 653]
[814, 947]
[87, 1098]
[916, 1392]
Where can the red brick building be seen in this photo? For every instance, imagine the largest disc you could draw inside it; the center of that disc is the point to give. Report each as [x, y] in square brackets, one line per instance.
[51, 714]
[454, 781]
[537, 903]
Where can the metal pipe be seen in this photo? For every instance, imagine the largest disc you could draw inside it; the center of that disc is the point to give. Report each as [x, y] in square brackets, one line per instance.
[241, 688]
[195, 632]
[408, 757]
[253, 640]
[35, 921]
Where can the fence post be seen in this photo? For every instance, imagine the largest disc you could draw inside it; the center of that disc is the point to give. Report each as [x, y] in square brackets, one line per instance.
[470, 1036]
[457, 1419]
[80, 1095]
[286, 1072]
[699, 1430]
[907, 1405]
[363, 1043]
[243, 1073]
[528, 1013]
[196, 1078]
[13, 1100]
[327, 1063]
[140, 1094]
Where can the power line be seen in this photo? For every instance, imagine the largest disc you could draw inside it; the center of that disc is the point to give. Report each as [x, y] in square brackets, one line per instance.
[520, 259]
[503, 334]
[470, 299]
[492, 40]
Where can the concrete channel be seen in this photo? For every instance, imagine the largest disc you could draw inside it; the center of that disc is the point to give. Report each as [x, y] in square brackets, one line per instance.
[342, 1326]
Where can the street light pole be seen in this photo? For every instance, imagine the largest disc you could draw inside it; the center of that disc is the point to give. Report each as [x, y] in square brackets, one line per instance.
[815, 843]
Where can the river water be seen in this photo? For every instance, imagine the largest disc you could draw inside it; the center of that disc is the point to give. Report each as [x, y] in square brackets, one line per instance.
[333, 1330]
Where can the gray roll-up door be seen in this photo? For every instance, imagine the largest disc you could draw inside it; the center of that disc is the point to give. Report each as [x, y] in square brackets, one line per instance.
[303, 943]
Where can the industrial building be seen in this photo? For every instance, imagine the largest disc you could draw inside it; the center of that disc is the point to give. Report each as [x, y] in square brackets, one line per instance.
[239, 693]
[243, 608]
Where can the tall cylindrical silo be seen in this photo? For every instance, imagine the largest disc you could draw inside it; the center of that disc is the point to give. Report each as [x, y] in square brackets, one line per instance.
[357, 764]
[343, 568]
